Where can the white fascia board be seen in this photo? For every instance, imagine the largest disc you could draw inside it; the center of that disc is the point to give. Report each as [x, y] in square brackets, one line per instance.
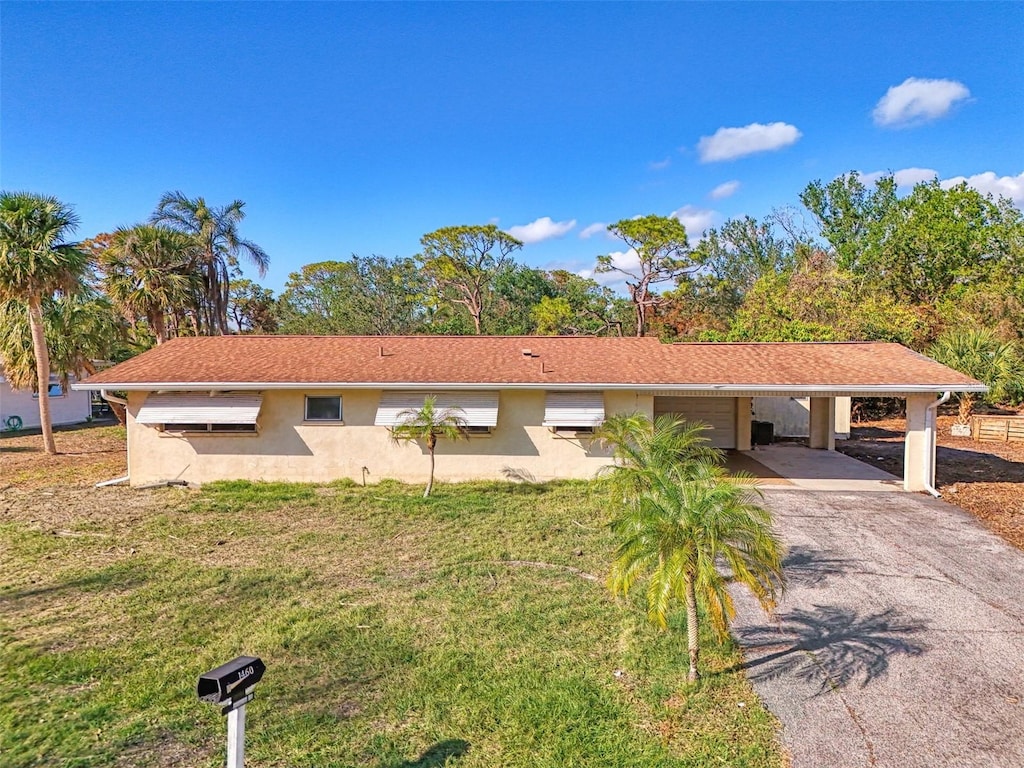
[724, 389]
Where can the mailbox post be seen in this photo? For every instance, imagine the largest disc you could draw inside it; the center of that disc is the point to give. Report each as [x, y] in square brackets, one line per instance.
[232, 686]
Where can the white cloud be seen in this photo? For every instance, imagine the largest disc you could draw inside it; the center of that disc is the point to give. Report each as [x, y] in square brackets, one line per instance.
[625, 260]
[696, 220]
[660, 165]
[541, 229]
[918, 100]
[731, 143]
[988, 183]
[722, 191]
[906, 177]
[597, 228]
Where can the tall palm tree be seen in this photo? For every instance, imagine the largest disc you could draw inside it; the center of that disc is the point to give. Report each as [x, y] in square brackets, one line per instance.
[429, 424]
[683, 517]
[79, 327]
[149, 271]
[215, 229]
[36, 262]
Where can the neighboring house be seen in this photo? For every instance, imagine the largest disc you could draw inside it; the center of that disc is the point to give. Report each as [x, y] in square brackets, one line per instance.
[19, 408]
[317, 408]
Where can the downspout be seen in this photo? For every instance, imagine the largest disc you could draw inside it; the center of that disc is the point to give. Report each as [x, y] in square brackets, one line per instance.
[120, 401]
[930, 418]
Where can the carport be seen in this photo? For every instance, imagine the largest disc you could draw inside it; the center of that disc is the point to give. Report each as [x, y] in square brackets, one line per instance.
[822, 373]
[727, 412]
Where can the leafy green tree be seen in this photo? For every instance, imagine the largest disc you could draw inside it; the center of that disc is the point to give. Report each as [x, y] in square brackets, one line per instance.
[429, 424]
[680, 515]
[662, 254]
[581, 307]
[817, 301]
[852, 217]
[215, 230]
[252, 308]
[36, 262]
[373, 296]
[980, 354]
[149, 272]
[462, 264]
[517, 290]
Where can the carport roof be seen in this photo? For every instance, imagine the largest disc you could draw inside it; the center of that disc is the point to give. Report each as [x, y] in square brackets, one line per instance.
[542, 362]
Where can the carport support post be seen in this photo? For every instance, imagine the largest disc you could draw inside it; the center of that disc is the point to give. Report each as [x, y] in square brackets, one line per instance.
[822, 432]
[744, 406]
[918, 452]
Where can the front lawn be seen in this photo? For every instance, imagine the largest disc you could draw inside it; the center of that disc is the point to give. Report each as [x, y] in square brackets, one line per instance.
[395, 631]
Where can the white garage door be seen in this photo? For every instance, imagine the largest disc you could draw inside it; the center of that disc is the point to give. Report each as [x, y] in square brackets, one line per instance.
[719, 412]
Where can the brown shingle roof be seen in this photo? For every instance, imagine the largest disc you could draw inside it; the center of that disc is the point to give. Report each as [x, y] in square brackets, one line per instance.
[552, 361]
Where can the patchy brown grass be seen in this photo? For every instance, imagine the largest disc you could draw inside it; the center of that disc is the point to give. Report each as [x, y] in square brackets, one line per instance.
[984, 478]
[86, 455]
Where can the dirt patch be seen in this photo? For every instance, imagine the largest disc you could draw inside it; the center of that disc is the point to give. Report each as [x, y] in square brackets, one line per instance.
[86, 455]
[986, 479]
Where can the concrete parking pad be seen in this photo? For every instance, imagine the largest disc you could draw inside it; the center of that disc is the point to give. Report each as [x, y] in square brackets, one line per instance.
[819, 470]
[900, 642]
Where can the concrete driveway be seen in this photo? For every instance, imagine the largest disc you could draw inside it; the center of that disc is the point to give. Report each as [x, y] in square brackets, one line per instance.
[900, 641]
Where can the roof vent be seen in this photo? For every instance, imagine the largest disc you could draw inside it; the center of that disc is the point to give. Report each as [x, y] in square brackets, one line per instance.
[527, 353]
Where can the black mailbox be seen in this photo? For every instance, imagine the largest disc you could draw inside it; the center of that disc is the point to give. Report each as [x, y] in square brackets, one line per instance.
[230, 681]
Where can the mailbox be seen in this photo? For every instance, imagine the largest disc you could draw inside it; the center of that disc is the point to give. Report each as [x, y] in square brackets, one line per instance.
[229, 682]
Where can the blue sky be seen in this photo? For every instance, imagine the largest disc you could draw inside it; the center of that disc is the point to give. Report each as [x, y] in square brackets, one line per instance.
[356, 128]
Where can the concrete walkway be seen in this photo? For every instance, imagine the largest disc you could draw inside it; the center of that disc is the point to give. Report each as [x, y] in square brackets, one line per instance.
[804, 467]
[900, 642]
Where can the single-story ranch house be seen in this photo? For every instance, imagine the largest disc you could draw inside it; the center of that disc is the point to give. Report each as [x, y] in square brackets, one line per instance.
[318, 408]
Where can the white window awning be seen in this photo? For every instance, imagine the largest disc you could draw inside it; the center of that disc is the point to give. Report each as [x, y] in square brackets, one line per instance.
[479, 409]
[199, 408]
[574, 409]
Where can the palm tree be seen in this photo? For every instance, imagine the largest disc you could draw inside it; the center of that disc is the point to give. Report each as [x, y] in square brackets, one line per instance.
[429, 424]
[35, 263]
[682, 516]
[149, 272]
[79, 327]
[980, 354]
[215, 230]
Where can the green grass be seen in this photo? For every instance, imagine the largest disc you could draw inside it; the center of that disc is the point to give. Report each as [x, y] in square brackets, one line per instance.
[393, 632]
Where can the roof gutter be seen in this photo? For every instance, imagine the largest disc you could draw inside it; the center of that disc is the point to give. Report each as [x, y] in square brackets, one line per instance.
[767, 389]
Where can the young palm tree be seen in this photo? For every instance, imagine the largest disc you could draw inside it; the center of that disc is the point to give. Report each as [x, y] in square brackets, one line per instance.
[35, 263]
[216, 232]
[682, 518]
[429, 424]
[149, 271]
[980, 354]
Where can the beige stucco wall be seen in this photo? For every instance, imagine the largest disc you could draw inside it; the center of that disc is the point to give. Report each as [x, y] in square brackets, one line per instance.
[286, 448]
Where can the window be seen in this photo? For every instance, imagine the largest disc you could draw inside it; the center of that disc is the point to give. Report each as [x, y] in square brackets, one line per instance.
[323, 408]
[477, 429]
[569, 414]
[573, 430]
[199, 412]
[56, 390]
[209, 427]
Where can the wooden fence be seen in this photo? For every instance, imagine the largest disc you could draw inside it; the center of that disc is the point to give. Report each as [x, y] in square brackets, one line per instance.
[1002, 429]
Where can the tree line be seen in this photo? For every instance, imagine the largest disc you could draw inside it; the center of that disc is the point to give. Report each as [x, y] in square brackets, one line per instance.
[854, 262]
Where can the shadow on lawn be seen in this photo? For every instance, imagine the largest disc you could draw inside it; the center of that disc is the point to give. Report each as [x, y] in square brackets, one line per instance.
[116, 577]
[443, 753]
[829, 645]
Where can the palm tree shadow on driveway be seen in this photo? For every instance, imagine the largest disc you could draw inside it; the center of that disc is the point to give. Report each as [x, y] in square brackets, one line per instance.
[442, 753]
[833, 646]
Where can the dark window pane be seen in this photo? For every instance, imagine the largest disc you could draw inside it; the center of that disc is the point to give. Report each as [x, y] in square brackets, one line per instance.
[323, 409]
[232, 427]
